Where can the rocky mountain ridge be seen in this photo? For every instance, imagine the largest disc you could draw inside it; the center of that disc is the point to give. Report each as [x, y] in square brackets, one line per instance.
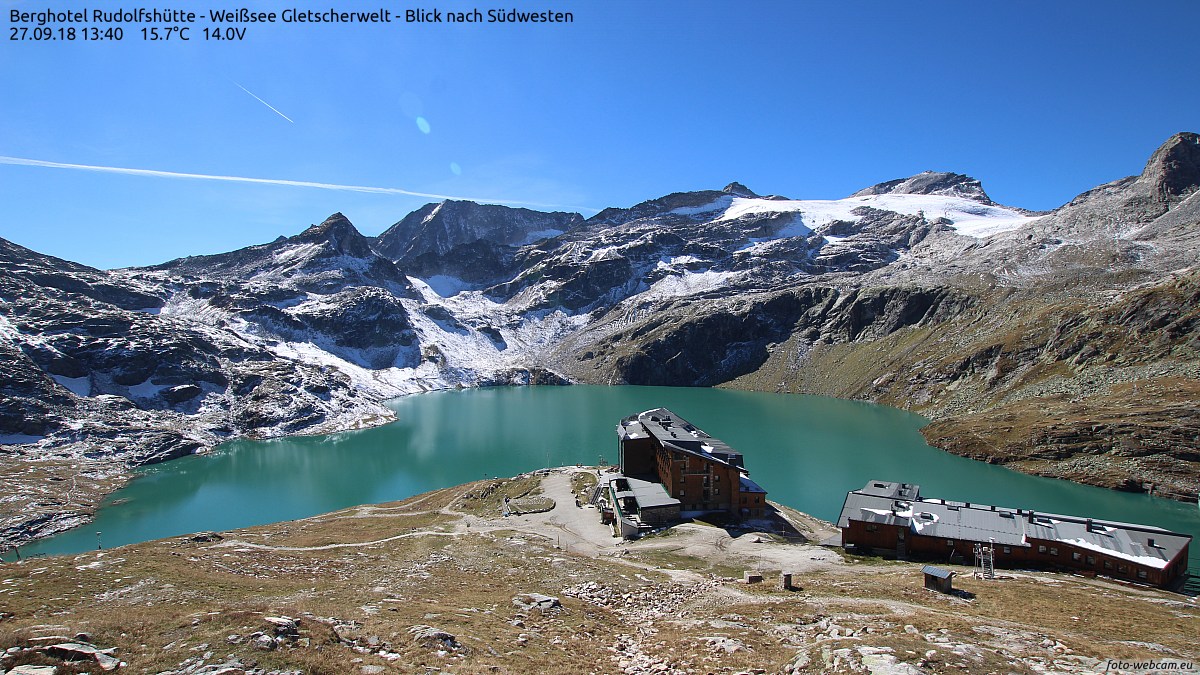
[1021, 334]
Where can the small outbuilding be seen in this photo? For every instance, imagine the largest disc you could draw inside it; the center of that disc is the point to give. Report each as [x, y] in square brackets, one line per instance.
[938, 579]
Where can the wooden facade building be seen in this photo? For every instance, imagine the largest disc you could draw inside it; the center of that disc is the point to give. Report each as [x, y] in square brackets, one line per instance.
[702, 472]
[894, 517]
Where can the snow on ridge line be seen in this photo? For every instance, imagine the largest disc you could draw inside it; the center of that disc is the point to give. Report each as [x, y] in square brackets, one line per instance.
[433, 213]
[968, 217]
[717, 204]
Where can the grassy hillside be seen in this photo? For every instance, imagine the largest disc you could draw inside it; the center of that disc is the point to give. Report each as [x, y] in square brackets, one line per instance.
[443, 583]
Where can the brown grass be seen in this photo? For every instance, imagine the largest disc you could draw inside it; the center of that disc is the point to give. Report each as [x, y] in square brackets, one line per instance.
[159, 602]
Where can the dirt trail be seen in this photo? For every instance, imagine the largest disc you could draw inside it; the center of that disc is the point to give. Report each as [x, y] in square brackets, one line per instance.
[578, 530]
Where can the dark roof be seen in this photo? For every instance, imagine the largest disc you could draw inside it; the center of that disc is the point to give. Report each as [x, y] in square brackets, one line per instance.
[676, 433]
[648, 495]
[905, 491]
[945, 519]
[748, 485]
[938, 572]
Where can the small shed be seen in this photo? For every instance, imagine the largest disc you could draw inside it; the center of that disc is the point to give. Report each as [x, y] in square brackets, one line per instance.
[937, 579]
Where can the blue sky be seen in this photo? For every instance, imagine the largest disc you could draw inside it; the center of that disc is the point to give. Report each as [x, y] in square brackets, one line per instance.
[635, 99]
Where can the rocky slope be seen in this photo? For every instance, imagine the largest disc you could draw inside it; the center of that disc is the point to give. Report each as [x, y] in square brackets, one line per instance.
[472, 243]
[99, 377]
[1063, 343]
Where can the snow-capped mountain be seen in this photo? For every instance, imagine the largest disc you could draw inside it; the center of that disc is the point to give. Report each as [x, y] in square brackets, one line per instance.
[1012, 329]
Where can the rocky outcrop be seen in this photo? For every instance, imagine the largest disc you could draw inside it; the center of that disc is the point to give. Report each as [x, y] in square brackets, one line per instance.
[324, 258]
[1173, 171]
[367, 326]
[102, 375]
[477, 264]
[439, 228]
[699, 344]
[931, 183]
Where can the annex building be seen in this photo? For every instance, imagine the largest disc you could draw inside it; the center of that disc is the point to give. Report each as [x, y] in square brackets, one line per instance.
[894, 517]
[695, 471]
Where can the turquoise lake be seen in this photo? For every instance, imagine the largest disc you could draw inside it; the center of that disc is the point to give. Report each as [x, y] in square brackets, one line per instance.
[806, 451]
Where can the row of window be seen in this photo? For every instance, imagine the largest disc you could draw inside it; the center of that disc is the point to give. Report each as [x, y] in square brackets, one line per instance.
[1076, 556]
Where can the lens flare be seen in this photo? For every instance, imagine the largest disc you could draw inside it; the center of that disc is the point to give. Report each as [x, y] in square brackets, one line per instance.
[423, 125]
[455, 169]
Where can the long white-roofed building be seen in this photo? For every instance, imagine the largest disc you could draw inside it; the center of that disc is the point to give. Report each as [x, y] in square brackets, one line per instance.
[894, 517]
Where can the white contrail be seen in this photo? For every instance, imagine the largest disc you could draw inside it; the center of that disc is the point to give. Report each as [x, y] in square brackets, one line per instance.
[20, 161]
[264, 103]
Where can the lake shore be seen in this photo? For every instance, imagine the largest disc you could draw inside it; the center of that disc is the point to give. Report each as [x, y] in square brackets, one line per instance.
[443, 580]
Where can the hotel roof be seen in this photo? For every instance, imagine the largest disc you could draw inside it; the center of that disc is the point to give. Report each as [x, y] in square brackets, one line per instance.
[677, 433]
[882, 502]
[648, 495]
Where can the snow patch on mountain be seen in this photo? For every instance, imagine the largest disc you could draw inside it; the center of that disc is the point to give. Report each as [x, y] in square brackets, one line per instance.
[760, 245]
[489, 336]
[968, 217]
[688, 283]
[540, 235]
[80, 386]
[146, 389]
[19, 439]
[433, 214]
[677, 261]
[384, 383]
[605, 253]
[443, 285]
[183, 306]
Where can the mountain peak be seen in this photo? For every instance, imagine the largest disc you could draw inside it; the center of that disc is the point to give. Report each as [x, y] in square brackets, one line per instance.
[931, 183]
[439, 227]
[1174, 168]
[738, 190]
[341, 235]
[335, 223]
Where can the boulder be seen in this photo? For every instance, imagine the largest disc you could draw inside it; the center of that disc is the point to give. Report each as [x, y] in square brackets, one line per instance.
[33, 670]
[433, 638]
[285, 626]
[528, 601]
[85, 651]
[181, 393]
